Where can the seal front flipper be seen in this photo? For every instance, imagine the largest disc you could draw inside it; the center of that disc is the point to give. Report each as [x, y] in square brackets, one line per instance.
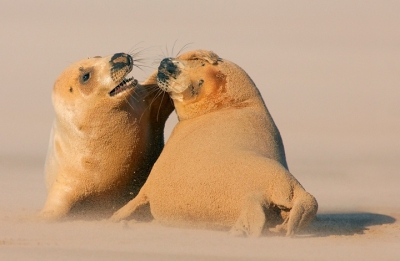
[59, 202]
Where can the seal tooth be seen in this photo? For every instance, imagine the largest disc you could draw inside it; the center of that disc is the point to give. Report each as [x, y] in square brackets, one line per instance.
[123, 85]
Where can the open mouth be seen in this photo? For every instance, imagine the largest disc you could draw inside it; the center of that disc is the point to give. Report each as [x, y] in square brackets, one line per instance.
[123, 86]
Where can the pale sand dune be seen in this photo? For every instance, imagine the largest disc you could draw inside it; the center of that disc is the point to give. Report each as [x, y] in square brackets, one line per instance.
[328, 71]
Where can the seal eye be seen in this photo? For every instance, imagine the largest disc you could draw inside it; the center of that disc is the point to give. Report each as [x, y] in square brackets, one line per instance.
[85, 77]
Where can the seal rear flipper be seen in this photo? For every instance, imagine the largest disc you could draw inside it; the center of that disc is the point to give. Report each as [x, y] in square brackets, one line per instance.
[304, 209]
[127, 210]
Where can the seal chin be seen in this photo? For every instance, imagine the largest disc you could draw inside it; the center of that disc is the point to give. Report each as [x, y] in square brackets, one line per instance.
[164, 86]
[124, 85]
[165, 83]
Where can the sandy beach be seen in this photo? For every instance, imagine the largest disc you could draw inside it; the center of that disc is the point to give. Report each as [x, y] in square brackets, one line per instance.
[329, 73]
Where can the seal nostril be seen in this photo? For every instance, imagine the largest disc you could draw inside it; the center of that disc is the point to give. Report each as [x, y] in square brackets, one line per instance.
[168, 65]
[171, 67]
[118, 57]
[121, 61]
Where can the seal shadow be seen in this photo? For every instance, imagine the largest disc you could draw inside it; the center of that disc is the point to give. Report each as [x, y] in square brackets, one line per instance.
[338, 224]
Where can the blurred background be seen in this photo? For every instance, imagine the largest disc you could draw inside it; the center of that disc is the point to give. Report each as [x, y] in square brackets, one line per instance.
[329, 71]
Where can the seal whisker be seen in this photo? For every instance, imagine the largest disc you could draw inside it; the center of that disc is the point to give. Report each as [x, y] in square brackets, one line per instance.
[151, 103]
[133, 96]
[159, 107]
[146, 49]
[173, 47]
[142, 65]
[167, 51]
[168, 54]
[127, 101]
[158, 94]
[135, 47]
[134, 53]
[163, 54]
[160, 53]
[147, 92]
[138, 61]
[151, 88]
[158, 60]
[150, 92]
[183, 48]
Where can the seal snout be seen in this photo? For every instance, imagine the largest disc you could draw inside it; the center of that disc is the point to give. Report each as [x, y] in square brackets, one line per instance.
[121, 60]
[168, 65]
[121, 64]
[166, 70]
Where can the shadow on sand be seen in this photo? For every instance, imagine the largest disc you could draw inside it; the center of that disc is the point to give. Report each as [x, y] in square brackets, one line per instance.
[346, 223]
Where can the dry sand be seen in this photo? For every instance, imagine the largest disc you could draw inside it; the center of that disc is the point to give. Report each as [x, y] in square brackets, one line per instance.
[328, 71]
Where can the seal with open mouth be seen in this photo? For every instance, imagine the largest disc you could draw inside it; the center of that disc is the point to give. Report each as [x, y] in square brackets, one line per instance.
[224, 164]
[104, 139]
